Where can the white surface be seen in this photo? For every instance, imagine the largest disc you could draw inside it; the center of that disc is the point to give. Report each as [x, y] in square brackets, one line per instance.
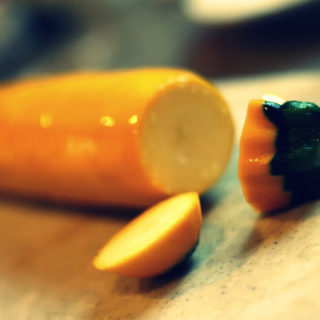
[231, 11]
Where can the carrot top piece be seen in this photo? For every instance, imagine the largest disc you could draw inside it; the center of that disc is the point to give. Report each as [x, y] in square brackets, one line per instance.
[261, 189]
[156, 240]
[279, 161]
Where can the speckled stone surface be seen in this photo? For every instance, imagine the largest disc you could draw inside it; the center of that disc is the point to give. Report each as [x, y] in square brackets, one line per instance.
[246, 266]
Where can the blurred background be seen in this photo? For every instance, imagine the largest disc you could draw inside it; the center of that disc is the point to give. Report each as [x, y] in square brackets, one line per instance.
[217, 38]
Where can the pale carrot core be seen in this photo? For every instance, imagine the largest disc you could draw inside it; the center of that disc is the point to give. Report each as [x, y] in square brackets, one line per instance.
[186, 137]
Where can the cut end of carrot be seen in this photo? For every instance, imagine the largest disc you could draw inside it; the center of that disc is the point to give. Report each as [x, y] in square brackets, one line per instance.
[156, 240]
[186, 136]
[273, 98]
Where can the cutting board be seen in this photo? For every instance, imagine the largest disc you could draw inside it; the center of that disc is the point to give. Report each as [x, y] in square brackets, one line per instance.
[247, 266]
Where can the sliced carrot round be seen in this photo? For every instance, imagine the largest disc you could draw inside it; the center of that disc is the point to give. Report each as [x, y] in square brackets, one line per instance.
[156, 240]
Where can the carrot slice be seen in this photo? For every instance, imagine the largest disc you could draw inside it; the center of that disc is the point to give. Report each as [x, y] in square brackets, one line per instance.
[257, 148]
[156, 240]
[128, 138]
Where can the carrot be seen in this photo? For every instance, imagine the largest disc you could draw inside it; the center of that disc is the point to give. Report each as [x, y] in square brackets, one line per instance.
[156, 240]
[261, 189]
[128, 138]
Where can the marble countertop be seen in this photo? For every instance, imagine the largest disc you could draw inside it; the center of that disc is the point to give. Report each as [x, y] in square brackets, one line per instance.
[247, 266]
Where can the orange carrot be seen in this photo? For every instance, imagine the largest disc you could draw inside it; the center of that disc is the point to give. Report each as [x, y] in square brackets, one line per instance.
[257, 148]
[156, 240]
[112, 138]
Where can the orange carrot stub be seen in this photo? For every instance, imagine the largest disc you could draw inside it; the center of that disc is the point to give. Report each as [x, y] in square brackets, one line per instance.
[116, 138]
[257, 148]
